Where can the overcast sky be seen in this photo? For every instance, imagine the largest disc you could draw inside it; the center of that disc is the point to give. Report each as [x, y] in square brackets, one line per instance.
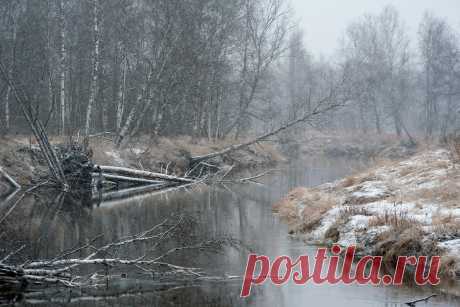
[324, 21]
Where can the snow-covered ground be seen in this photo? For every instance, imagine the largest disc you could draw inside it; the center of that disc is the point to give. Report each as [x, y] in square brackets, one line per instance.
[420, 196]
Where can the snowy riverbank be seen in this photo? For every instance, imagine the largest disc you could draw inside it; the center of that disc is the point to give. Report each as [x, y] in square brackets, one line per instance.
[410, 207]
[23, 161]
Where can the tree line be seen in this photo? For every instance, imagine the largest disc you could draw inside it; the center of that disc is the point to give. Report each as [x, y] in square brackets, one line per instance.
[215, 68]
[395, 85]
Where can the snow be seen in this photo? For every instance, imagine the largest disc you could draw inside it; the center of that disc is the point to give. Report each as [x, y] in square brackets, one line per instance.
[451, 246]
[396, 189]
[116, 157]
[137, 151]
[372, 189]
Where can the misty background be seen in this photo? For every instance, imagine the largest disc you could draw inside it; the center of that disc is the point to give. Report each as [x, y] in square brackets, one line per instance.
[216, 69]
[324, 22]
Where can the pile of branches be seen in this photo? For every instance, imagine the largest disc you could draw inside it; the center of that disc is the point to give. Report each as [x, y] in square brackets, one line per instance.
[66, 269]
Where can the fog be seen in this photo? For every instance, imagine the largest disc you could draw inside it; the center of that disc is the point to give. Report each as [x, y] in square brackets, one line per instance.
[323, 22]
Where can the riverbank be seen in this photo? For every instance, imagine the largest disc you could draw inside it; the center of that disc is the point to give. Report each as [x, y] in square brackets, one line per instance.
[347, 144]
[24, 163]
[411, 207]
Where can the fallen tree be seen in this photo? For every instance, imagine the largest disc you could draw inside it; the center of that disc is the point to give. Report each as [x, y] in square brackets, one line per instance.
[138, 174]
[321, 108]
[93, 268]
[38, 130]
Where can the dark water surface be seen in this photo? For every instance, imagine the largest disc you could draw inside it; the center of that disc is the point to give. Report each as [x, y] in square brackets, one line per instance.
[237, 211]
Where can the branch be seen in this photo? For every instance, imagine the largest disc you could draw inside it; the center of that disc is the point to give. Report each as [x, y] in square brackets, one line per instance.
[251, 178]
[9, 179]
[309, 116]
[413, 303]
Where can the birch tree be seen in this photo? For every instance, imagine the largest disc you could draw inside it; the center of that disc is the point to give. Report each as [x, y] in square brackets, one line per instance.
[62, 67]
[95, 67]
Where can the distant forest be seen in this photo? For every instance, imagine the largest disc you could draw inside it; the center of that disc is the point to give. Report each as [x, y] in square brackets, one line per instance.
[219, 68]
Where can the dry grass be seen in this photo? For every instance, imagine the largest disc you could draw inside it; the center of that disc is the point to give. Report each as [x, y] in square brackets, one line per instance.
[333, 233]
[449, 267]
[291, 199]
[357, 179]
[403, 242]
[398, 220]
[447, 226]
[354, 210]
[348, 182]
[448, 194]
[406, 171]
[315, 205]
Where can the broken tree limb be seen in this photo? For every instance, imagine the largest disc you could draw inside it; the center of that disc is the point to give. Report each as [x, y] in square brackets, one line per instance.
[38, 130]
[135, 173]
[250, 178]
[9, 179]
[309, 116]
[414, 303]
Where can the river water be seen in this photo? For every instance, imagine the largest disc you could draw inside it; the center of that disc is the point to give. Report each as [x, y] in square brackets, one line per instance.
[235, 211]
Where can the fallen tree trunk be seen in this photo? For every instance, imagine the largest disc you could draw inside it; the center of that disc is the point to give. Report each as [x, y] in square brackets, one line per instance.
[120, 179]
[134, 173]
[317, 111]
[38, 130]
[9, 179]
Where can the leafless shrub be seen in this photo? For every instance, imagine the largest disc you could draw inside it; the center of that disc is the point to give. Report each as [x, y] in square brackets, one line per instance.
[447, 226]
[397, 219]
[354, 210]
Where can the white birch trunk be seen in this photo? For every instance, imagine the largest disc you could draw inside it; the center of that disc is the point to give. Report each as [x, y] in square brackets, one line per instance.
[8, 90]
[121, 94]
[7, 109]
[62, 68]
[123, 132]
[95, 72]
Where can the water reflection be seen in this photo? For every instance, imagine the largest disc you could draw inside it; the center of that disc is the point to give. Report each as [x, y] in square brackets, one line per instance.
[47, 225]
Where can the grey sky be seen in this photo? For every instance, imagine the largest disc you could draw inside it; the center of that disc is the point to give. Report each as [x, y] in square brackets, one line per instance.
[324, 21]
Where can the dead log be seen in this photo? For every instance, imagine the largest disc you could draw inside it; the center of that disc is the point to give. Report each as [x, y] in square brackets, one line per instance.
[135, 173]
[120, 179]
[9, 179]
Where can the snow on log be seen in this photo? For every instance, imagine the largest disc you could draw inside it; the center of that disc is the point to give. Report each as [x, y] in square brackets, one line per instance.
[129, 172]
[117, 178]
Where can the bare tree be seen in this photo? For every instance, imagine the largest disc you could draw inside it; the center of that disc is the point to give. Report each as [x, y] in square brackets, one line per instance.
[439, 51]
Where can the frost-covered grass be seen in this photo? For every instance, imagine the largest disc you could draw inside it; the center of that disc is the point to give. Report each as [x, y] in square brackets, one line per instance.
[412, 206]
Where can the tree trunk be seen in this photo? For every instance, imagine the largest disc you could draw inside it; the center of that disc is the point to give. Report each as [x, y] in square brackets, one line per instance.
[129, 172]
[95, 70]
[121, 94]
[62, 67]
[8, 89]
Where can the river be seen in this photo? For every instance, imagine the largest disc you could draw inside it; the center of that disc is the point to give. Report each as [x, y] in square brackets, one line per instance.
[240, 211]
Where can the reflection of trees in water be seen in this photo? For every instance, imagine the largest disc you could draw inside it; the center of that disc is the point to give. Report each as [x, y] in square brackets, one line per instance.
[218, 295]
[49, 224]
[46, 223]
